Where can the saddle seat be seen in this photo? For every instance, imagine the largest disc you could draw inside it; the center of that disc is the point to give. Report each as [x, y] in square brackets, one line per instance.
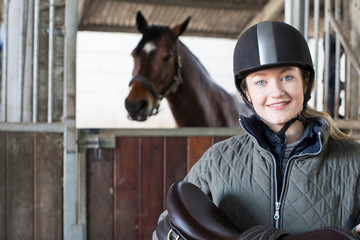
[195, 215]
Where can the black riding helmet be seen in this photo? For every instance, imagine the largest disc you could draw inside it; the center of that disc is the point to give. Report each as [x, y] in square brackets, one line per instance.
[271, 44]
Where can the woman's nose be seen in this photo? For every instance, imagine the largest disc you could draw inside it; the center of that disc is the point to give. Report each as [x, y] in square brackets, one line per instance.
[277, 89]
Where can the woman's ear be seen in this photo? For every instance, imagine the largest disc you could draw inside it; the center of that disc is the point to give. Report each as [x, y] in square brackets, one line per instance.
[248, 96]
[306, 85]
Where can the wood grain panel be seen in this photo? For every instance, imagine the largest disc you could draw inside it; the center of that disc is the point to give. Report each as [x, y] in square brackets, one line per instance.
[19, 189]
[219, 139]
[48, 173]
[127, 182]
[151, 184]
[196, 147]
[100, 194]
[144, 169]
[2, 186]
[175, 162]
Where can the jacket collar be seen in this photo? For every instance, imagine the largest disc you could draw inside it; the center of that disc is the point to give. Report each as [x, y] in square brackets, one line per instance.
[269, 140]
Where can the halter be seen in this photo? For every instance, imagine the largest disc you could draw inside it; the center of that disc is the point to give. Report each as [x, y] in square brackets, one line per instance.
[158, 97]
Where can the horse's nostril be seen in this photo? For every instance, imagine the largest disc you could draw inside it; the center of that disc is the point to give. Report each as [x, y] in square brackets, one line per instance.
[134, 108]
[143, 104]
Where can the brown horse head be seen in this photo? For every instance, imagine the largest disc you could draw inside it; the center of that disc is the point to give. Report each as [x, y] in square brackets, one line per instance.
[157, 68]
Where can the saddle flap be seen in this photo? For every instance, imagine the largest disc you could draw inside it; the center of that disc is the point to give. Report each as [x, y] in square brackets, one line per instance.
[193, 213]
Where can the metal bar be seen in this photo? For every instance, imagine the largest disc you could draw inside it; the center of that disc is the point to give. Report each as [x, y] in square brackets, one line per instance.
[168, 132]
[337, 64]
[5, 62]
[348, 90]
[36, 60]
[344, 42]
[31, 127]
[296, 12]
[346, 24]
[288, 12]
[353, 60]
[306, 19]
[316, 51]
[23, 21]
[51, 58]
[326, 54]
[74, 169]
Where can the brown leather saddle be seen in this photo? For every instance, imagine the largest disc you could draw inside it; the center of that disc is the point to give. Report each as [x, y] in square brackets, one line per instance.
[193, 216]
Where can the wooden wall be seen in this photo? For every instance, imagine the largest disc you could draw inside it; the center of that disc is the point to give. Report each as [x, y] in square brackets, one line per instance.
[127, 186]
[31, 192]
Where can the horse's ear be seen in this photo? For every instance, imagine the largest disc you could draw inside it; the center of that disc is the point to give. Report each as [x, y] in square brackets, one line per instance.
[141, 22]
[180, 28]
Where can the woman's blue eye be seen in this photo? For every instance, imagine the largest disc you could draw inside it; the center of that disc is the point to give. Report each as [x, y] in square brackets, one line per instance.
[287, 78]
[260, 83]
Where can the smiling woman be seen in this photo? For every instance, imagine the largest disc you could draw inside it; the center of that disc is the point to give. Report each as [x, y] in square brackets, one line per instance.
[274, 94]
[290, 155]
[104, 71]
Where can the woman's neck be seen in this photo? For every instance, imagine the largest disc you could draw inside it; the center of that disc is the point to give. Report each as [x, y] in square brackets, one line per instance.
[295, 132]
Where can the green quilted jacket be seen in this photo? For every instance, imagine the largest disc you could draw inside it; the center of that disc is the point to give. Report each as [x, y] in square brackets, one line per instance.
[320, 188]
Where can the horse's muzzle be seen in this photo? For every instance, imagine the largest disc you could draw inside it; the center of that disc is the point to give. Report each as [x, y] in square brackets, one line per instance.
[137, 111]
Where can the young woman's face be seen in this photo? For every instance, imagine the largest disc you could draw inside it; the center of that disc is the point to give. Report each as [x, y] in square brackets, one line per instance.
[277, 94]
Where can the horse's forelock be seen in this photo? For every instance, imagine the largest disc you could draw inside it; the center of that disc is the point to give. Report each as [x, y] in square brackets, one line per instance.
[151, 34]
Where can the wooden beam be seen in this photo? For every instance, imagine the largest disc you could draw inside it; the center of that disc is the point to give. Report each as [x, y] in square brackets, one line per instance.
[226, 4]
[82, 6]
[269, 12]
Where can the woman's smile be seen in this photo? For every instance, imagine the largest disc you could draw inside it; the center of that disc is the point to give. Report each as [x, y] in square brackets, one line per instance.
[278, 105]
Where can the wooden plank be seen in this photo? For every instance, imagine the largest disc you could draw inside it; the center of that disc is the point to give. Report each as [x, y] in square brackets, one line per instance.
[126, 219]
[42, 86]
[58, 68]
[48, 174]
[19, 188]
[151, 184]
[100, 194]
[219, 139]
[2, 186]
[175, 162]
[196, 147]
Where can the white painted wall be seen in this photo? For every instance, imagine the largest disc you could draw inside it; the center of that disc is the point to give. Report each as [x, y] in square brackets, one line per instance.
[104, 67]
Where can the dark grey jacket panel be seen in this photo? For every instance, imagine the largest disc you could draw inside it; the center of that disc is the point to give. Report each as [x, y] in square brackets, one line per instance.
[320, 189]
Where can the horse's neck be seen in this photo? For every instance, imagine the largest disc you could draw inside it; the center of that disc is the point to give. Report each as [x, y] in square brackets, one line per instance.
[191, 104]
[192, 66]
[194, 75]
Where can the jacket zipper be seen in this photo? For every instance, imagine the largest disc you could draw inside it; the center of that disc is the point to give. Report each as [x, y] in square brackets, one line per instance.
[279, 201]
[277, 214]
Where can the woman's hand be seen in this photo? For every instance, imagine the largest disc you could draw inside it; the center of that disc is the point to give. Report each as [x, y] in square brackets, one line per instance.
[357, 229]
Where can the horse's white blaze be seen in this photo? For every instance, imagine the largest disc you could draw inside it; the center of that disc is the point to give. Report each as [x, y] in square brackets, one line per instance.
[149, 46]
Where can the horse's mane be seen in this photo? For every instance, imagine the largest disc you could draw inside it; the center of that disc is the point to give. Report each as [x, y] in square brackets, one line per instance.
[195, 58]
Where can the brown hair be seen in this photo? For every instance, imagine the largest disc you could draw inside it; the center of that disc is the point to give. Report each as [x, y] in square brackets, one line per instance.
[335, 132]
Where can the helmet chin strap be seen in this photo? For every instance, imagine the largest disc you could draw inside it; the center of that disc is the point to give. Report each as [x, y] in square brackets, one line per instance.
[299, 117]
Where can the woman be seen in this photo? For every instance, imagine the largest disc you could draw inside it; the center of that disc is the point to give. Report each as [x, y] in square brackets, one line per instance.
[293, 169]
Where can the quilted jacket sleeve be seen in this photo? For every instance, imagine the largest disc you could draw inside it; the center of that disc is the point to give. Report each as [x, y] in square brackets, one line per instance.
[198, 176]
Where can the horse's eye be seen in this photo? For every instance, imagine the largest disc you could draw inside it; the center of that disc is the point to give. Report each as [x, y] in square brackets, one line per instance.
[167, 58]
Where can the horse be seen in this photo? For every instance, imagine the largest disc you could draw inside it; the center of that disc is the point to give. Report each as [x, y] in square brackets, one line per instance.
[165, 68]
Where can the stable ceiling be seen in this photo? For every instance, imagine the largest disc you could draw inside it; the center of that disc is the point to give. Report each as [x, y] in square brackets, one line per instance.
[209, 18]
